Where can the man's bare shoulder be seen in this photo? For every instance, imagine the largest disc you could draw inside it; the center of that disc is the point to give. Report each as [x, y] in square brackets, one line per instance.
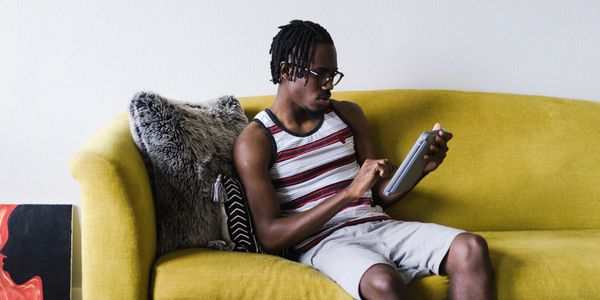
[252, 130]
[252, 146]
[351, 111]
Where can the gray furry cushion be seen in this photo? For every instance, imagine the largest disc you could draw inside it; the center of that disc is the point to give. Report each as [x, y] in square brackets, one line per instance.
[185, 147]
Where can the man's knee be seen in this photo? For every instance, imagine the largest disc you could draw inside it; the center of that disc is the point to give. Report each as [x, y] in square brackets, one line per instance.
[468, 252]
[382, 281]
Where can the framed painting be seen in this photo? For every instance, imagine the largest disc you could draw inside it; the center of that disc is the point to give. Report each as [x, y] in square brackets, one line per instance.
[35, 251]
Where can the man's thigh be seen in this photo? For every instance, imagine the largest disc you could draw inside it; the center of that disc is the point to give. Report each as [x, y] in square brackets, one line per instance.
[344, 258]
[417, 249]
[414, 249]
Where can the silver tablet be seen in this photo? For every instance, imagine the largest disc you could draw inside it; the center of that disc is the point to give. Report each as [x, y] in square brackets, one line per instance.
[413, 165]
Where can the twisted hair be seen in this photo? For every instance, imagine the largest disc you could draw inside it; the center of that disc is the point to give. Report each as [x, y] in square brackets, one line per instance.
[295, 44]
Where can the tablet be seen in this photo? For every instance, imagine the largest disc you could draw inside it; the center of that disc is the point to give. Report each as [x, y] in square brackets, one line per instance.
[413, 165]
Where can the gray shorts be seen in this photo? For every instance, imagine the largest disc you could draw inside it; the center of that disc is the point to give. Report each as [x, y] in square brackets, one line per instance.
[414, 249]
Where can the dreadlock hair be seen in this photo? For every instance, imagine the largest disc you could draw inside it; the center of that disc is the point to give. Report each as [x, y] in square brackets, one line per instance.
[294, 44]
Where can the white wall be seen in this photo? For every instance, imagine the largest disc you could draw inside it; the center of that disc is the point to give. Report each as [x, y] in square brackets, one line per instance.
[68, 67]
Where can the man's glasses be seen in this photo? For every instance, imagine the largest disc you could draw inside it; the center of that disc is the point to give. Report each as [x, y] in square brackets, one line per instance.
[325, 78]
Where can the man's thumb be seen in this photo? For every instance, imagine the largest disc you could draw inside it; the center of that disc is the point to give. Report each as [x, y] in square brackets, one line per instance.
[437, 126]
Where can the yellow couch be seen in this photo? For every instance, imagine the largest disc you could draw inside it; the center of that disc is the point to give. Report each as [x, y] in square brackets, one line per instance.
[522, 171]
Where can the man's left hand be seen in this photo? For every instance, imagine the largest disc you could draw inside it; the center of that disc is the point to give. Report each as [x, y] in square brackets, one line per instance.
[437, 151]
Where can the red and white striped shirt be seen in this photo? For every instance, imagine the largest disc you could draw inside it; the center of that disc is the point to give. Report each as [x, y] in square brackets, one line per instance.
[311, 168]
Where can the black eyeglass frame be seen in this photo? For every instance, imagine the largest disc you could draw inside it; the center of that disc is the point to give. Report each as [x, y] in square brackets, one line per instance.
[328, 79]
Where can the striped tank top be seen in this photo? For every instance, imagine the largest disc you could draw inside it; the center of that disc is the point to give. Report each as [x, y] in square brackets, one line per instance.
[308, 169]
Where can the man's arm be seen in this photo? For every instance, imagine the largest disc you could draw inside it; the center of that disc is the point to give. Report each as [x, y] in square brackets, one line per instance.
[252, 154]
[365, 150]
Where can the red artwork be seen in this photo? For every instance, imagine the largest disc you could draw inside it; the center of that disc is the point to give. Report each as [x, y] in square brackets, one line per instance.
[30, 290]
[35, 251]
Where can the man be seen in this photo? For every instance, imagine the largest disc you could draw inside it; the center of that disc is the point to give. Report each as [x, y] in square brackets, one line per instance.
[312, 179]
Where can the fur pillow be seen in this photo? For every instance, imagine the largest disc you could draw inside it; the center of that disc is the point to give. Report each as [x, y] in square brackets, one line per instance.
[185, 147]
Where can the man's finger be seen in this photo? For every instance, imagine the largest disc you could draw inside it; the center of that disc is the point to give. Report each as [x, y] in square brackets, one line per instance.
[378, 170]
[435, 149]
[441, 143]
[383, 170]
[446, 135]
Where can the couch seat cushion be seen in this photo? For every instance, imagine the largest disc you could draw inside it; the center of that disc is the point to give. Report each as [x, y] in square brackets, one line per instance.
[209, 274]
[545, 264]
[541, 264]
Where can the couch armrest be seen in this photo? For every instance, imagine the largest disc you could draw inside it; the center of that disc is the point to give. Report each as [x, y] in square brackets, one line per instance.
[118, 224]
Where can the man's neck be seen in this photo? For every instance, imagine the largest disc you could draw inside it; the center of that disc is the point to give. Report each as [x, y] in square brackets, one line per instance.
[293, 117]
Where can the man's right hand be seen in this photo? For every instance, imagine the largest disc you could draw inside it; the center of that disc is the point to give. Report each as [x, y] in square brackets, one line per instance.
[370, 171]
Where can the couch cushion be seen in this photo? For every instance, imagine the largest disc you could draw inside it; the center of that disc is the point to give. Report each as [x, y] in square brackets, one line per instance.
[209, 274]
[527, 265]
[552, 264]
[545, 264]
[236, 214]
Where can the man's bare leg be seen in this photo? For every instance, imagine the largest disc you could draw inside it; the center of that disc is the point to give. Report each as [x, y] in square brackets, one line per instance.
[382, 282]
[469, 268]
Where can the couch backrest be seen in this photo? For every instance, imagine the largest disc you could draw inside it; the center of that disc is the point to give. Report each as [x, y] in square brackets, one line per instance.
[515, 163]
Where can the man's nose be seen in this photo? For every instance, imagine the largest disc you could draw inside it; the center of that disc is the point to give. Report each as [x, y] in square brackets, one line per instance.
[328, 86]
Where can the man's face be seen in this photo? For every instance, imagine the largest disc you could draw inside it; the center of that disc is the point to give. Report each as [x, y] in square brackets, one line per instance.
[314, 97]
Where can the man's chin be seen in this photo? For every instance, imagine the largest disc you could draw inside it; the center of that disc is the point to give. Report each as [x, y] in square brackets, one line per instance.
[315, 108]
[323, 103]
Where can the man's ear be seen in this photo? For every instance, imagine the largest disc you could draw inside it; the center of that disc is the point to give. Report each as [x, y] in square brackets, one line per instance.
[284, 69]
